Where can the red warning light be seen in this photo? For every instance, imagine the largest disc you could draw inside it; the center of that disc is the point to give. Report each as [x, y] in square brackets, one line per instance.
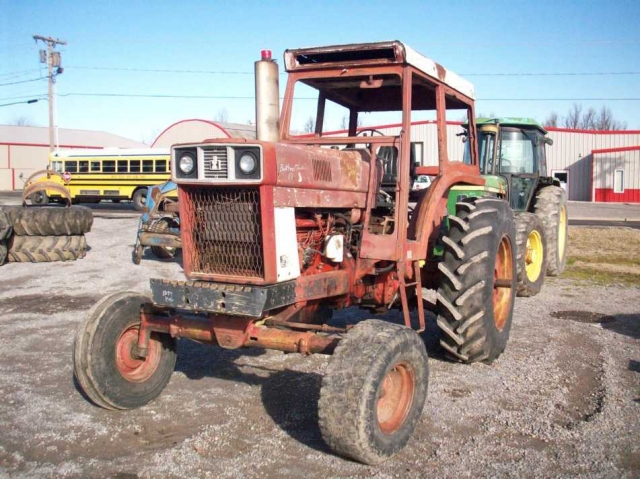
[265, 54]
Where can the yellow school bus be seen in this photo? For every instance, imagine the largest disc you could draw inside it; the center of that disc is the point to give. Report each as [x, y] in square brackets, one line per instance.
[114, 174]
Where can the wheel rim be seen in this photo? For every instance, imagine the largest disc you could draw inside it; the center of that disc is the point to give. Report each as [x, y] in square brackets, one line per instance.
[562, 231]
[133, 369]
[395, 398]
[533, 256]
[502, 273]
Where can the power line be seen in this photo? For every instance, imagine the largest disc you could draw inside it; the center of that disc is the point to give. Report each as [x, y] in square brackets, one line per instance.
[563, 74]
[152, 70]
[24, 96]
[224, 72]
[18, 73]
[226, 97]
[22, 81]
[35, 100]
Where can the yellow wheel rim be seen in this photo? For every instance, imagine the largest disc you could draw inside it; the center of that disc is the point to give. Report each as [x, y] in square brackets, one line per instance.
[562, 232]
[533, 256]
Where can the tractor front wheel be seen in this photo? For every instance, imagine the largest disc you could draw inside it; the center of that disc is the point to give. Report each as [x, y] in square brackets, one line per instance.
[476, 295]
[532, 254]
[373, 391]
[105, 366]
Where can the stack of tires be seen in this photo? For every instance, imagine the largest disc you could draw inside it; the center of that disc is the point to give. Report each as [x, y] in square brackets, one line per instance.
[43, 234]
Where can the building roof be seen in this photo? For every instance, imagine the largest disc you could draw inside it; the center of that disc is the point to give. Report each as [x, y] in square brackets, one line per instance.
[196, 129]
[378, 53]
[39, 136]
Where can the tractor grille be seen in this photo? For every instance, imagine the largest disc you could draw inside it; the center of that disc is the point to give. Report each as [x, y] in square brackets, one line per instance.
[226, 232]
[215, 162]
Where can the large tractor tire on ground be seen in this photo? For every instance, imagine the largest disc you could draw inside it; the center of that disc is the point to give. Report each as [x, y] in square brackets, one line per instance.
[104, 364]
[477, 292]
[43, 249]
[11, 213]
[53, 221]
[6, 225]
[3, 252]
[531, 254]
[551, 207]
[373, 391]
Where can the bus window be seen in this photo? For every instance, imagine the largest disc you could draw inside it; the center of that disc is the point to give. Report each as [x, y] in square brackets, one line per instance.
[71, 166]
[56, 166]
[84, 167]
[134, 166]
[147, 166]
[123, 166]
[95, 166]
[161, 166]
[108, 166]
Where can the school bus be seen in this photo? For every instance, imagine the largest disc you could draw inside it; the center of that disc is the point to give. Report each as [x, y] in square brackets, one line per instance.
[115, 174]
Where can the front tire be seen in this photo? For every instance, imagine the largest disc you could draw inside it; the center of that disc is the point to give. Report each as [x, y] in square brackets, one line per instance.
[104, 366]
[531, 254]
[551, 208]
[373, 391]
[477, 291]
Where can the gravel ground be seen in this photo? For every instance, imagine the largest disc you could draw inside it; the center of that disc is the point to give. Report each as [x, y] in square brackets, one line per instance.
[563, 401]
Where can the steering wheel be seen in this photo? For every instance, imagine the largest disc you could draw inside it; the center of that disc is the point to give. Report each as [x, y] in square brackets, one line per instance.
[372, 130]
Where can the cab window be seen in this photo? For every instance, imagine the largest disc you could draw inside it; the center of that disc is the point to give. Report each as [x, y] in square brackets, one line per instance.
[517, 153]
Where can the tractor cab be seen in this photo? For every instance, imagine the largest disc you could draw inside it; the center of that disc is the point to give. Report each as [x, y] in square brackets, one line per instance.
[513, 149]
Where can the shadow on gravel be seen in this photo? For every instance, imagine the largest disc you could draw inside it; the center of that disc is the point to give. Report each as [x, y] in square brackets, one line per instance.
[289, 397]
[626, 324]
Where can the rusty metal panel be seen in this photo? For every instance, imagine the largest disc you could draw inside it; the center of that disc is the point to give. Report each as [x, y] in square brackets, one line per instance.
[222, 231]
[221, 298]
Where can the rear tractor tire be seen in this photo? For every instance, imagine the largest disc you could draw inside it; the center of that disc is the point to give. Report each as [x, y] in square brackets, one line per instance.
[373, 391]
[531, 254]
[52, 221]
[551, 207]
[104, 364]
[476, 295]
[45, 249]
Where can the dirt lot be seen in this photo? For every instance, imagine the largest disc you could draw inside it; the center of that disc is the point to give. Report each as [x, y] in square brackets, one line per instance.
[564, 399]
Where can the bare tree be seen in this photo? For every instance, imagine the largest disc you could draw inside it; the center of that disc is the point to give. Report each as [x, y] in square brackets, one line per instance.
[344, 123]
[604, 120]
[310, 125]
[552, 120]
[22, 121]
[572, 120]
[590, 119]
[222, 115]
[150, 136]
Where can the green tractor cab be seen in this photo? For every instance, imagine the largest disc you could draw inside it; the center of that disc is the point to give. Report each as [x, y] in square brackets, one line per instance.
[512, 156]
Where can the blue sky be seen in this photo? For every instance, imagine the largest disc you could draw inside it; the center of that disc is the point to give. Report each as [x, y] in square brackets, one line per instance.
[471, 38]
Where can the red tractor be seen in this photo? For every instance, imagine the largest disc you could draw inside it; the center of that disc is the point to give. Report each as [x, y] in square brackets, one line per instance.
[278, 232]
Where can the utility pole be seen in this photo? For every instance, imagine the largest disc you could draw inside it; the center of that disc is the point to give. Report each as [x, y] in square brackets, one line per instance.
[52, 59]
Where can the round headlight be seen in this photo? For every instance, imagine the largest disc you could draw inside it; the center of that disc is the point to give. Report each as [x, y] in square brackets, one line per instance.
[248, 163]
[186, 164]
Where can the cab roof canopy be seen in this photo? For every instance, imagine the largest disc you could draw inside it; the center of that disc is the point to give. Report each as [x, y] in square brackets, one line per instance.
[364, 93]
[528, 123]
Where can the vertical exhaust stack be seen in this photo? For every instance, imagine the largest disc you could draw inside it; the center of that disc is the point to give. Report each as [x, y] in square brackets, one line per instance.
[267, 98]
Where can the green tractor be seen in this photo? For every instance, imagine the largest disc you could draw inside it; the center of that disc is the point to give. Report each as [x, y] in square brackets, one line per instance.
[513, 161]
